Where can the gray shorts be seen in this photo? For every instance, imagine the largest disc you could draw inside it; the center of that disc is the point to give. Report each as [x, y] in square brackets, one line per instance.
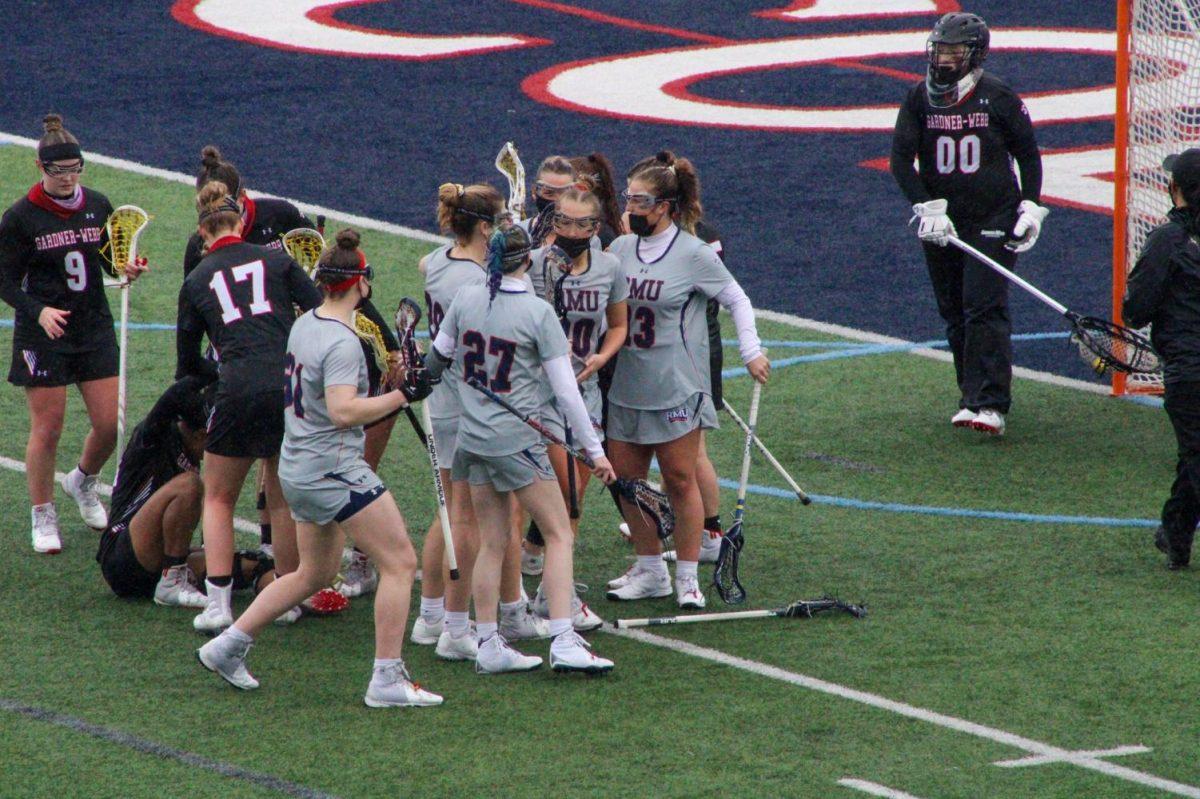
[660, 426]
[553, 418]
[504, 472]
[333, 497]
[445, 438]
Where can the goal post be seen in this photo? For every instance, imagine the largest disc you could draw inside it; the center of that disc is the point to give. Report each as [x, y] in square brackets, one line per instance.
[1157, 114]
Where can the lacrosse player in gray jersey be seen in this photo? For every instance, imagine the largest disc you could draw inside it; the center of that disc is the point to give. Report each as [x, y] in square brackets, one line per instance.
[330, 488]
[660, 395]
[587, 289]
[509, 340]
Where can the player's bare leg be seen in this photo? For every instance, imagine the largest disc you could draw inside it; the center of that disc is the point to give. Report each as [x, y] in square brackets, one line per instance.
[100, 399]
[223, 479]
[47, 409]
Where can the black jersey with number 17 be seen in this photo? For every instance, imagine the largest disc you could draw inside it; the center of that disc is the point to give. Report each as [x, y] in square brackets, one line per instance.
[241, 295]
[966, 151]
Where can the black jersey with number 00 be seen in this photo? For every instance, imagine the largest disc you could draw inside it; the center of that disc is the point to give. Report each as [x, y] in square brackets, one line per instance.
[264, 221]
[966, 151]
[241, 295]
[51, 258]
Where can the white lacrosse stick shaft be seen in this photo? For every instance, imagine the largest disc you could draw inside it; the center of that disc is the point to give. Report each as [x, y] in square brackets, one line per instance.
[122, 371]
[800, 493]
[1025, 284]
[443, 513]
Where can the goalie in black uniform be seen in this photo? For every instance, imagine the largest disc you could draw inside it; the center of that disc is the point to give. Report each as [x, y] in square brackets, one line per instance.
[965, 128]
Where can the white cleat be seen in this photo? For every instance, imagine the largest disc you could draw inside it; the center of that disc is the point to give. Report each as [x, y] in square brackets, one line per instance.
[82, 489]
[46, 539]
[532, 565]
[583, 619]
[462, 647]
[227, 657]
[643, 585]
[215, 617]
[289, 617]
[360, 576]
[391, 686]
[426, 634]
[569, 652]
[626, 533]
[523, 625]
[175, 589]
[989, 421]
[964, 418]
[688, 594]
[497, 657]
[633, 569]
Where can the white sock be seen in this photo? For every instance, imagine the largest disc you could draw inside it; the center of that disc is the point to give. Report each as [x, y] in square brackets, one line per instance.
[512, 608]
[433, 609]
[486, 630]
[385, 662]
[222, 594]
[457, 622]
[652, 563]
[238, 635]
[685, 568]
[559, 626]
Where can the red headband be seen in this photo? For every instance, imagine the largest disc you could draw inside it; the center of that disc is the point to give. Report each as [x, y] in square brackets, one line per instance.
[345, 285]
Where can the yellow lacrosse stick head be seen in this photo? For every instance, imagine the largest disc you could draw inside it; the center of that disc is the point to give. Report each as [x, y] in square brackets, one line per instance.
[369, 332]
[305, 246]
[125, 226]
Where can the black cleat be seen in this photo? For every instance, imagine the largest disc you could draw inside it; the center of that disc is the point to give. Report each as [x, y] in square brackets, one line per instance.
[1175, 560]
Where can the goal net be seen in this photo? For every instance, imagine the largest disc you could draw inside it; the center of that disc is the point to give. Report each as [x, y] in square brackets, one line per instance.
[1157, 114]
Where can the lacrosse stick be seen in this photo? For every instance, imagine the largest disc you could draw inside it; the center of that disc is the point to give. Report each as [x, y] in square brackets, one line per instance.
[1110, 345]
[803, 609]
[125, 227]
[408, 313]
[508, 163]
[556, 268]
[305, 246]
[638, 492]
[804, 498]
[725, 574]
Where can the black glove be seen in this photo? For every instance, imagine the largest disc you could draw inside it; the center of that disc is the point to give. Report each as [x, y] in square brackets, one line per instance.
[418, 383]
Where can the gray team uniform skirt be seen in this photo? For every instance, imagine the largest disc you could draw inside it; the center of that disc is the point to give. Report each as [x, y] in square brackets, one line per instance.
[334, 496]
[659, 426]
[445, 438]
[504, 472]
[552, 417]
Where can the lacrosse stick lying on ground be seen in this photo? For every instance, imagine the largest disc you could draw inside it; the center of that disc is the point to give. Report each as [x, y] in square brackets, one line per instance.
[803, 609]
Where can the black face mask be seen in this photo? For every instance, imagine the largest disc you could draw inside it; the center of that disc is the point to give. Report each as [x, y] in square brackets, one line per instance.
[542, 204]
[572, 247]
[639, 225]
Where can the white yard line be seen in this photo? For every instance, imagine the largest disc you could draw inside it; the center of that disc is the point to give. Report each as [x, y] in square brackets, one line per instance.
[874, 789]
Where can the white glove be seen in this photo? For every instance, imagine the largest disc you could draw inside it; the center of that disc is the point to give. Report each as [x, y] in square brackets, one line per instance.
[935, 226]
[1028, 227]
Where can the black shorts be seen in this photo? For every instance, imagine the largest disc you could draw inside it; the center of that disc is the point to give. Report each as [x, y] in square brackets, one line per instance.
[120, 566]
[246, 426]
[41, 367]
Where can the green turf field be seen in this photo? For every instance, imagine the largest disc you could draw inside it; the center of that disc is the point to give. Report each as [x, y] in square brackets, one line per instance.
[1071, 636]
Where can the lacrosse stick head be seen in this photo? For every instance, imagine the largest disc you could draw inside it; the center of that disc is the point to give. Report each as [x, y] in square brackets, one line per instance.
[806, 609]
[125, 226]
[1105, 345]
[408, 314]
[369, 332]
[305, 245]
[725, 574]
[508, 163]
[556, 266]
[650, 503]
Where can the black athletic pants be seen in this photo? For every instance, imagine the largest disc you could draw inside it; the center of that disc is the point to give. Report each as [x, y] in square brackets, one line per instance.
[973, 301]
[1181, 512]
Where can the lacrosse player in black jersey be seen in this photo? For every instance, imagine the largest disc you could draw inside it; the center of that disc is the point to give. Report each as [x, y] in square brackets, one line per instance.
[51, 274]
[242, 296]
[965, 127]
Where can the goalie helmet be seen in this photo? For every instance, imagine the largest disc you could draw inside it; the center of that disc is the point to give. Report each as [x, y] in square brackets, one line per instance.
[956, 50]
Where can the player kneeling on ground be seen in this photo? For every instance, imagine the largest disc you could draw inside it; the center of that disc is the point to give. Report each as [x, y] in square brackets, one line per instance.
[329, 486]
[156, 502]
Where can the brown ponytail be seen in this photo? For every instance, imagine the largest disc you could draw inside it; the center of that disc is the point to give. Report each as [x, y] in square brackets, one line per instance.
[217, 209]
[214, 167]
[596, 172]
[460, 208]
[675, 179]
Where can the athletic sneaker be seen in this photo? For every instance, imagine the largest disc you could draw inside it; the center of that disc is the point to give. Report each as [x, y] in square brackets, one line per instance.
[989, 421]
[326, 602]
[626, 533]
[45, 529]
[227, 656]
[391, 686]
[217, 614]
[710, 548]
[82, 489]
[633, 569]
[569, 652]
[964, 418]
[523, 625]
[1176, 559]
[360, 577]
[460, 647]
[289, 617]
[426, 634]
[532, 565]
[175, 589]
[583, 619]
[497, 657]
[687, 593]
[643, 584]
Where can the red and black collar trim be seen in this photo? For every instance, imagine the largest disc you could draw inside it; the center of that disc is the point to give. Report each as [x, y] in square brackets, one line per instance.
[224, 241]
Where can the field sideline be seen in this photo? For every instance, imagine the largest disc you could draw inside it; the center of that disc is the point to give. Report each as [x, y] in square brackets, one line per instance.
[1068, 633]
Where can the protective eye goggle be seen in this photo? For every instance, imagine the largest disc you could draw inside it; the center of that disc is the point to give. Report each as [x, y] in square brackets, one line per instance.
[561, 220]
[58, 170]
[546, 191]
[643, 202]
